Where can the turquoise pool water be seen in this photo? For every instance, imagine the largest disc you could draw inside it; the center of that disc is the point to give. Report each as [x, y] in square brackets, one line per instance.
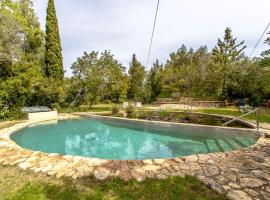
[125, 140]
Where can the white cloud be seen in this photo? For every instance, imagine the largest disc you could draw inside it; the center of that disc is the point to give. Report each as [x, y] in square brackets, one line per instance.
[124, 26]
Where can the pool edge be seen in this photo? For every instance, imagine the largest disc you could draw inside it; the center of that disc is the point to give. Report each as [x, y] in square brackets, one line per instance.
[208, 168]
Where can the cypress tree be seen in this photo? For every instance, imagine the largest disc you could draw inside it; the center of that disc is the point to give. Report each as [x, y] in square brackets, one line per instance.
[53, 54]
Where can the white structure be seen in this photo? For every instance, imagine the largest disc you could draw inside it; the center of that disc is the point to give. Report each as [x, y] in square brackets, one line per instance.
[138, 104]
[125, 104]
[40, 113]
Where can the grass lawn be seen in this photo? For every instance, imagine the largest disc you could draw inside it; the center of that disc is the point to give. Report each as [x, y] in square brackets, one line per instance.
[16, 184]
[6, 124]
[264, 115]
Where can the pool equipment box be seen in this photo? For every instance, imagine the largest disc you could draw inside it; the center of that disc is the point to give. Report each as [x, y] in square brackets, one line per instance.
[40, 113]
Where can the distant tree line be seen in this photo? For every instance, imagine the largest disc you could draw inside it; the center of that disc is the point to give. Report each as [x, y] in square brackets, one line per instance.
[31, 69]
[225, 73]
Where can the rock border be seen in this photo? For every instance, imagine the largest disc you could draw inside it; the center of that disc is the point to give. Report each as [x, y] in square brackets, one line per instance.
[241, 174]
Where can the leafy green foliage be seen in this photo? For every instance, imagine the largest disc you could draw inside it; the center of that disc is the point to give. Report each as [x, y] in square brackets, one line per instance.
[31, 72]
[22, 48]
[185, 72]
[12, 114]
[154, 81]
[266, 54]
[131, 111]
[21, 53]
[53, 54]
[136, 74]
[98, 78]
[115, 110]
[225, 64]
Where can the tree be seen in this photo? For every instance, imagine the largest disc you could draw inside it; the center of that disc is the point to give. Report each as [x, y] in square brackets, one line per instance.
[53, 54]
[98, 78]
[225, 61]
[265, 63]
[21, 53]
[185, 72]
[114, 80]
[136, 74]
[266, 54]
[10, 45]
[154, 81]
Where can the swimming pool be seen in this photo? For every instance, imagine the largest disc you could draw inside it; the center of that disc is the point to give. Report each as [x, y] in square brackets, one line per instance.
[117, 139]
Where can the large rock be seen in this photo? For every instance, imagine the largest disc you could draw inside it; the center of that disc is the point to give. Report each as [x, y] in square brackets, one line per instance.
[138, 174]
[251, 182]
[238, 195]
[101, 173]
[260, 174]
[211, 170]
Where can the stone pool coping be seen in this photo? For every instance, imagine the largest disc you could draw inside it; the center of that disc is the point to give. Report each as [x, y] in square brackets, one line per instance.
[243, 173]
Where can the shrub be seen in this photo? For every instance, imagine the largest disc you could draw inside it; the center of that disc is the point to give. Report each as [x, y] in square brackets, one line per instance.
[115, 110]
[131, 111]
[164, 115]
[12, 114]
[187, 116]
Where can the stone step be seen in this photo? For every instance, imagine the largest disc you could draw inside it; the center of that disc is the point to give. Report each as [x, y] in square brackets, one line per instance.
[211, 145]
[223, 145]
[234, 144]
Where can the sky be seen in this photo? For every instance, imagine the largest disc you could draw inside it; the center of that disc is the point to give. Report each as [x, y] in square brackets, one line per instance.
[125, 26]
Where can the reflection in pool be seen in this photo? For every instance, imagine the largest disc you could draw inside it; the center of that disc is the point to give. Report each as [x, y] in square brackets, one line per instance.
[122, 140]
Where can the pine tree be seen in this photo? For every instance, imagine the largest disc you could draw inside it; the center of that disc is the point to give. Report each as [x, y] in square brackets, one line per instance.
[265, 63]
[225, 60]
[136, 80]
[53, 55]
[155, 80]
[266, 54]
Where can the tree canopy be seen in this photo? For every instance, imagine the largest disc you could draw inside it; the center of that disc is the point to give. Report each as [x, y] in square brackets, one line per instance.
[98, 77]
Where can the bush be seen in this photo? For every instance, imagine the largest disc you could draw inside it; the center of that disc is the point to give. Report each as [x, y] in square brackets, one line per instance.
[12, 114]
[164, 115]
[145, 114]
[131, 111]
[187, 116]
[115, 110]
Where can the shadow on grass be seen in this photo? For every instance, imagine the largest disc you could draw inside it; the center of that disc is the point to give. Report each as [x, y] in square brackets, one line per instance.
[89, 188]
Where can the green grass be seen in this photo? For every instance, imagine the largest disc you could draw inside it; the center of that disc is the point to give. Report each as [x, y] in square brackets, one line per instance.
[264, 115]
[16, 184]
[6, 124]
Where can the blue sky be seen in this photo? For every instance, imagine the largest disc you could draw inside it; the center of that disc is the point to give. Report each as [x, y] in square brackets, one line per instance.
[124, 26]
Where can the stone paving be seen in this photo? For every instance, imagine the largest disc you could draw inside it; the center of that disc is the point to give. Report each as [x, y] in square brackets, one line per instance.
[241, 174]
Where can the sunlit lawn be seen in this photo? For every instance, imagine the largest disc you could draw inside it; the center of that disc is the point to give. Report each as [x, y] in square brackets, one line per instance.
[264, 115]
[16, 184]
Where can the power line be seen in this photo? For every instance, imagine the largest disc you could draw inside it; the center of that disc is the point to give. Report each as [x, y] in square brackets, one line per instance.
[259, 40]
[153, 32]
